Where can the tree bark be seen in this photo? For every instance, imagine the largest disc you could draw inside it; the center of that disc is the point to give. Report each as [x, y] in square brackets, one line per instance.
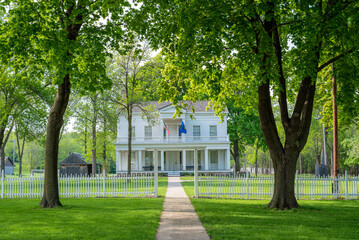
[50, 197]
[284, 177]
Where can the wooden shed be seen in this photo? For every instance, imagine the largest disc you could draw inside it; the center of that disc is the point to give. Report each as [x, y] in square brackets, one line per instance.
[74, 165]
[9, 166]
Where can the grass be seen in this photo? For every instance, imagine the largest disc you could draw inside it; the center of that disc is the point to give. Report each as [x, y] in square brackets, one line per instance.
[85, 218]
[251, 219]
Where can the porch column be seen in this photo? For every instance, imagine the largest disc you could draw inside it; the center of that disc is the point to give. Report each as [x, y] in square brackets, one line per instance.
[206, 159]
[139, 160]
[118, 161]
[184, 160]
[218, 162]
[227, 160]
[162, 160]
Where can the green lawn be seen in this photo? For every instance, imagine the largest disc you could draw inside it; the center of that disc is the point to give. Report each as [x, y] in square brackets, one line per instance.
[85, 218]
[251, 219]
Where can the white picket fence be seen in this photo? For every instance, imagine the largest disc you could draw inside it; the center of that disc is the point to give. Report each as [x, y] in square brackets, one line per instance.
[136, 185]
[236, 186]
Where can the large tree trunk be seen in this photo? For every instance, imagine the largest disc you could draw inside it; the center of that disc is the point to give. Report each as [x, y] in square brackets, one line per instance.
[50, 197]
[284, 177]
[296, 127]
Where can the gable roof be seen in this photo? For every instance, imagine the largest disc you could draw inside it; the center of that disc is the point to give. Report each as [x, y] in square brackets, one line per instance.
[73, 159]
[9, 162]
[199, 106]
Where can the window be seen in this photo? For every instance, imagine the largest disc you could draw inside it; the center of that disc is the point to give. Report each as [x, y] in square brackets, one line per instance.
[213, 132]
[148, 132]
[133, 132]
[196, 132]
[214, 156]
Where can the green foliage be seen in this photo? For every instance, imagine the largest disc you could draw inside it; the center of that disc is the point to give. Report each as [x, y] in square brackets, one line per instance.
[244, 127]
[49, 43]
[220, 49]
[69, 143]
[351, 147]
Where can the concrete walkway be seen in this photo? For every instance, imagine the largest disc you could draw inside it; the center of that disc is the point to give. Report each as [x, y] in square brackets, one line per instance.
[178, 219]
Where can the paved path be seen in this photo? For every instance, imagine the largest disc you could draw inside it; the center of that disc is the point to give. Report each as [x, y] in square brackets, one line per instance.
[178, 219]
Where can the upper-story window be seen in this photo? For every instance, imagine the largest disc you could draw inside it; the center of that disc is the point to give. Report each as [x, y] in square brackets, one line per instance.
[213, 132]
[148, 132]
[196, 132]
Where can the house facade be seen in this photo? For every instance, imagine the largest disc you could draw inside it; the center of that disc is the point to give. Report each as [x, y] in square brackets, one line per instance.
[175, 140]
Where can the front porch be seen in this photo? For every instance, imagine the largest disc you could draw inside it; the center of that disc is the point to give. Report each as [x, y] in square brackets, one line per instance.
[175, 161]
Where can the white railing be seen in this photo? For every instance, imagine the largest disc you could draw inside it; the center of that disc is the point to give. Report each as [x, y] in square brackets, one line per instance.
[236, 186]
[136, 185]
[174, 139]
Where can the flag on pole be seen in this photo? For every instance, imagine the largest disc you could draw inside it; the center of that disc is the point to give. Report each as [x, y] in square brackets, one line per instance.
[183, 128]
[165, 127]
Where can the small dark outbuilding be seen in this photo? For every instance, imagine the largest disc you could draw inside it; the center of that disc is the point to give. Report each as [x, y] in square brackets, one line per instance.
[9, 166]
[74, 165]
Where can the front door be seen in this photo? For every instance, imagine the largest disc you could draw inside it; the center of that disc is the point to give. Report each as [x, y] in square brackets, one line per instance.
[172, 161]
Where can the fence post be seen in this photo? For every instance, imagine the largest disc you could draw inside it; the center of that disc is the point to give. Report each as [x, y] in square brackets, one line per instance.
[2, 183]
[195, 161]
[297, 184]
[346, 184]
[104, 185]
[155, 166]
[247, 184]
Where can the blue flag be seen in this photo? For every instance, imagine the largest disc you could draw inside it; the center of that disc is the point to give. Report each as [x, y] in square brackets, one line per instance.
[183, 128]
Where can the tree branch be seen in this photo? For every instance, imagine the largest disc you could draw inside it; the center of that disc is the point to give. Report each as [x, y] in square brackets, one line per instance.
[334, 59]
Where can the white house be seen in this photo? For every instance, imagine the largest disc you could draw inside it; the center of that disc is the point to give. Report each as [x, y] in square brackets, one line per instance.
[175, 150]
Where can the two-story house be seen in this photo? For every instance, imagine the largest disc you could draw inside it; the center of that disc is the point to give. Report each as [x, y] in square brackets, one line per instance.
[175, 140]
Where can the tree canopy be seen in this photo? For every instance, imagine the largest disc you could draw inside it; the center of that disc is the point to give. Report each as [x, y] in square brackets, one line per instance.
[264, 50]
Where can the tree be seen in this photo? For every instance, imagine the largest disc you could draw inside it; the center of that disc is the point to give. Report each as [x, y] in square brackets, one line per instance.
[128, 80]
[70, 40]
[244, 129]
[268, 50]
[8, 92]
